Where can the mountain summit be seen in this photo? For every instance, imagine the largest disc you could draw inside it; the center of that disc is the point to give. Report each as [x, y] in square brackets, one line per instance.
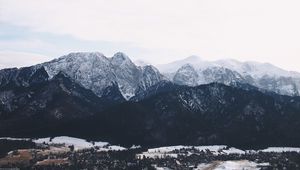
[96, 72]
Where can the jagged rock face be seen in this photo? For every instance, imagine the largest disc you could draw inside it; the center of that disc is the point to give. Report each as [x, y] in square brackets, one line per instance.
[132, 78]
[262, 75]
[186, 75]
[92, 70]
[149, 77]
[127, 74]
[22, 77]
[11, 83]
[161, 87]
[281, 85]
[222, 75]
[96, 72]
[58, 98]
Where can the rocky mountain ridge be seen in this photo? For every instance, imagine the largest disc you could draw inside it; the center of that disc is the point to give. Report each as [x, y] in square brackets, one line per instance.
[193, 71]
[96, 72]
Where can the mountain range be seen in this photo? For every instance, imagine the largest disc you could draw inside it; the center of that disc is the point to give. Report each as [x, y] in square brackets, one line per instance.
[191, 101]
[194, 71]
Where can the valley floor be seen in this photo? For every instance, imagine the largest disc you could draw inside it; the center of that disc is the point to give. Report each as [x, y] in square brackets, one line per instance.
[73, 153]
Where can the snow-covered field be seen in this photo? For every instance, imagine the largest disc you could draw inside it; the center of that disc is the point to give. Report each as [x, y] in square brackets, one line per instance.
[281, 149]
[213, 149]
[231, 165]
[226, 165]
[9, 138]
[169, 151]
[69, 141]
[76, 142]
[153, 152]
[172, 151]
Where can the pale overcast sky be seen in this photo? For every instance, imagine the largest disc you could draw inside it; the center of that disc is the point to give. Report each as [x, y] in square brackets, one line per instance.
[157, 31]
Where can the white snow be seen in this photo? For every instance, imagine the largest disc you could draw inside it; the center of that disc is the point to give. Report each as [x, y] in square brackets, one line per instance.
[135, 147]
[215, 149]
[153, 152]
[170, 151]
[96, 72]
[76, 142]
[254, 73]
[112, 148]
[252, 68]
[237, 165]
[166, 149]
[233, 151]
[156, 155]
[231, 165]
[281, 149]
[9, 138]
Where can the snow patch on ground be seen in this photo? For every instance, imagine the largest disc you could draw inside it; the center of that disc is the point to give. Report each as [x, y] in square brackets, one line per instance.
[76, 142]
[167, 149]
[112, 148]
[153, 152]
[71, 141]
[281, 149]
[231, 165]
[233, 151]
[174, 151]
[237, 165]
[9, 138]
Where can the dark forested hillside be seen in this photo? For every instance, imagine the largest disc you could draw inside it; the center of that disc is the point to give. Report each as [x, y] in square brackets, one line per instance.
[167, 114]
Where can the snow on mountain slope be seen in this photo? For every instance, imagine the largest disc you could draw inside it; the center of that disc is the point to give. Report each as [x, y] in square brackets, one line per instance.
[149, 77]
[228, 71]
[76, 142]
[186, 75]
[91, 70]
[126, 73]
[132, 78]
[96, 72]
[195, 61]
[222, 75]
[254, 69]
[281, 85]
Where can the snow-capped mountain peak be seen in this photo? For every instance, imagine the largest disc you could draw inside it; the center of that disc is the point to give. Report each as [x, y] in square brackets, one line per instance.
[252, 68]
[186, 75]
[120, 59]
[262, 75]
[96, 72]
[195, 61]
[92, 70]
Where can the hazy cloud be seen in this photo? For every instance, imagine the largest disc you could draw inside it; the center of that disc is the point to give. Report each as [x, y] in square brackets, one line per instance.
[262, 30]
[20, 59]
